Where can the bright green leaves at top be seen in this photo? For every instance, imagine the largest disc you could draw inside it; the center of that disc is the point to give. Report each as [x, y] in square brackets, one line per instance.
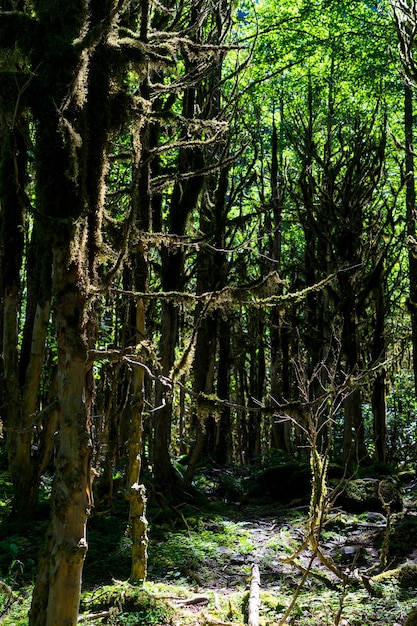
[307, 38]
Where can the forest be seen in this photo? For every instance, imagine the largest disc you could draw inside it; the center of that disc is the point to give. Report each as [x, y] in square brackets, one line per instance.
[208, 312]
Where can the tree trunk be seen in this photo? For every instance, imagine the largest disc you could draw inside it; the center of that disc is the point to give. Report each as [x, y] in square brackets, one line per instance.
[163, 470]
[136, 493]
[22, 371]
[222, 452]
[379, 409]
[411, 219]
[256, 384]
[354, 450]
[379, 391]
[57, 591]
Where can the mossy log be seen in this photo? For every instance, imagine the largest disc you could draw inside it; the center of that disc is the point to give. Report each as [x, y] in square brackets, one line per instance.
[405, 576]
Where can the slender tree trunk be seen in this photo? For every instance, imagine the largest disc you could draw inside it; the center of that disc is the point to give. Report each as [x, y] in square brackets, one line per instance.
[354, 450]
[411, 219]
[379, 391]
[204, 368]
[256, 384]
[136, 493]
[222, 452]
[163, 470]
[279, 361]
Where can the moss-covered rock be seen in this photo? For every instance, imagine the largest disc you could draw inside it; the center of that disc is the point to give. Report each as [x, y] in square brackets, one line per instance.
[411, 619]
[403, 537]
[370, 494]
[126, 598]
[405, 576]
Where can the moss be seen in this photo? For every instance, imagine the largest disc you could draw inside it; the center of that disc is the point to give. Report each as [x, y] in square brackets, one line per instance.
[124, 597]
[363, 495]
[405, 576]
[404, 536]
[411, 619]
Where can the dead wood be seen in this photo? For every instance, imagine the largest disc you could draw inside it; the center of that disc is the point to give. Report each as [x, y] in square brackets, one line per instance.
[194, 600]
[254, 601]
[100, 615]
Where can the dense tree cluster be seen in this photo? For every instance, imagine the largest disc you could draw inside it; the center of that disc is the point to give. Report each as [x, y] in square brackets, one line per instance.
[207, 249]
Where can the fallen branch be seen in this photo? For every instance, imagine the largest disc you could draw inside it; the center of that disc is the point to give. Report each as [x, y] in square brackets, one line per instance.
[190, 601]
[254, 601]
[101, 615]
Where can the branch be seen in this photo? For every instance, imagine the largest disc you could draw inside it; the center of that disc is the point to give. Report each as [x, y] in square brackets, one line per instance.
[249, 296]
[254, 600]
[101, 615]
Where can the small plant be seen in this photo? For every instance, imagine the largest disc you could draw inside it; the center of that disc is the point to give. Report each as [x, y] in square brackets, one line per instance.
[148, 616]
[128, 605]
[11, 566]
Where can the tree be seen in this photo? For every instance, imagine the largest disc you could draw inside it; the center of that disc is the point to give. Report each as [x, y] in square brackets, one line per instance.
[405, 15]
[74, 88]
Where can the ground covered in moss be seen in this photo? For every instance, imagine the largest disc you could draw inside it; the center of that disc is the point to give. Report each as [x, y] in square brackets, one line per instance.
[200, 558]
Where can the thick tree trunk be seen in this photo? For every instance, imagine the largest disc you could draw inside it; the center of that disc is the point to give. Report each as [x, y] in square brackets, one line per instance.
[57, 592]
[22, 371]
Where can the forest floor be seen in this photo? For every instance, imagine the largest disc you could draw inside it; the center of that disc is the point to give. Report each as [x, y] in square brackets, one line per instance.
[200, 563]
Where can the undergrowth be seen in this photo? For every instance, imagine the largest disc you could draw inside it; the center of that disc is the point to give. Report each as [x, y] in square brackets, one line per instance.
[199, 571]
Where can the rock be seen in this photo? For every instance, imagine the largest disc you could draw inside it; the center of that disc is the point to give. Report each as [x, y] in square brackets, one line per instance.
[368, 494]
[350, 554]
[407, 577]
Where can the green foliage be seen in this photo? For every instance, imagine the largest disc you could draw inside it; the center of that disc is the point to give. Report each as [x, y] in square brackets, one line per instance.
[188, 554]
[128, 605]
[401, 423]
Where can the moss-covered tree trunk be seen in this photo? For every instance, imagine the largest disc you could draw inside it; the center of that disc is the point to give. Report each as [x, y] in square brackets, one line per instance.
[136, 492]
[72, 484]
[71, 132]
